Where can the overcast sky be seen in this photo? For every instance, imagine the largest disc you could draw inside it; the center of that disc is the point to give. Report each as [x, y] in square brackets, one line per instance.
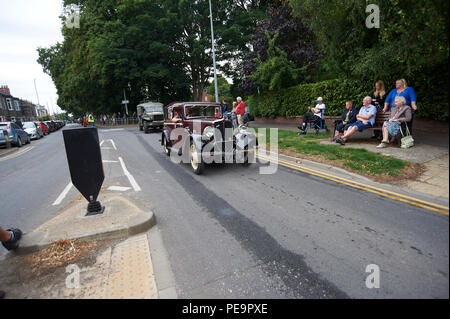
[26, 25]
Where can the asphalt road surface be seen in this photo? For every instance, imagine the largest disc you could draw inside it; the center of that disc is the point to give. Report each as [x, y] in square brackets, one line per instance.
[233, 233]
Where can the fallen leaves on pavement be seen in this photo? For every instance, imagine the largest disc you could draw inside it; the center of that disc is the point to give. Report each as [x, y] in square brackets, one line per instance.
[60, 253]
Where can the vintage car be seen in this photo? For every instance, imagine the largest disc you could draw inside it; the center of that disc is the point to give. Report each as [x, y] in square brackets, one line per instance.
[151, 116]
[198, 134]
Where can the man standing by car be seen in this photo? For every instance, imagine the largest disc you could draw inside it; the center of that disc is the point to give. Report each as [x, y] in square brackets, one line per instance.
[240, 111]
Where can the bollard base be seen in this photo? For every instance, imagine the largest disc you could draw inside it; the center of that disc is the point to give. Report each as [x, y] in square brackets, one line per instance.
[95, 208]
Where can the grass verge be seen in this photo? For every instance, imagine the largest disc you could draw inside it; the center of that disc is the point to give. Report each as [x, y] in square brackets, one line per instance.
[358, 160]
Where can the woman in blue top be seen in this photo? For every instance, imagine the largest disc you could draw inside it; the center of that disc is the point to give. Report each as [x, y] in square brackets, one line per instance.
[401, 89]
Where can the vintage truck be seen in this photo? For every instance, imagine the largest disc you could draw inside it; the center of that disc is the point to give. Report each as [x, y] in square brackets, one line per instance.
[151, 116]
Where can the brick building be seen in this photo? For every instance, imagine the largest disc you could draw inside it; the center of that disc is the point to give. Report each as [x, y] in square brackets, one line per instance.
[13, 109]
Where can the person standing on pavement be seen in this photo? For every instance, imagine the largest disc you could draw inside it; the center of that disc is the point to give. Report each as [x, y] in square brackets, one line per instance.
[240, 111]
[378, 98]
[91, 120]
[224, 108]
[10, 240]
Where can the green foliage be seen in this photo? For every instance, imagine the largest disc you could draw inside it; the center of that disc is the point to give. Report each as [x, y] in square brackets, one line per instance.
[294, 101]
[277, 71]
[224, 90]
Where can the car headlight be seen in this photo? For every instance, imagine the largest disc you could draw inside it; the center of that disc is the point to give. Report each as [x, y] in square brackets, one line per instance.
[208, 133]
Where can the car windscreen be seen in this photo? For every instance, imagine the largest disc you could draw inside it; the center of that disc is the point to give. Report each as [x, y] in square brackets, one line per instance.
[28, 125]
[152, 109]
[194, 111]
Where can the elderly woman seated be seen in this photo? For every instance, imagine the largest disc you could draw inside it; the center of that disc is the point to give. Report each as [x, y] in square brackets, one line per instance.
[401, 113]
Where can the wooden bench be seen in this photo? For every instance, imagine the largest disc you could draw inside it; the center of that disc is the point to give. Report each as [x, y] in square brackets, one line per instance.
[379, 121]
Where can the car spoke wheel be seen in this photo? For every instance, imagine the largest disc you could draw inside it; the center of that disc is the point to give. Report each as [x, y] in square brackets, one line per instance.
[166, 147]
[196, 163]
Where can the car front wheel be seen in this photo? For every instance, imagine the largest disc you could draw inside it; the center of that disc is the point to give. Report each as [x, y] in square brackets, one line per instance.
[196, 161]
[166, 146]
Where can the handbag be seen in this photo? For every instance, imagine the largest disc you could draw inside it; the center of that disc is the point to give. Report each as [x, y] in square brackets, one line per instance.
[406, 141]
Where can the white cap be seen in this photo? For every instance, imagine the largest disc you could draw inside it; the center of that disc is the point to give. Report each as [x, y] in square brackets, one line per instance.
[319, 99]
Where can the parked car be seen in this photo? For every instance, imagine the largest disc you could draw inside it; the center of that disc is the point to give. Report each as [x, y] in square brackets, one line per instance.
[17, 136]
[33, 131]
[205, 135]
[151, 116]
[44, 127]
[51, 125]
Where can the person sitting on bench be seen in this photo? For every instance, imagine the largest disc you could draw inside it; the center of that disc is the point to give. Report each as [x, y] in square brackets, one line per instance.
[365, 119]
[313, 115]
[401, 113]
[348, 118]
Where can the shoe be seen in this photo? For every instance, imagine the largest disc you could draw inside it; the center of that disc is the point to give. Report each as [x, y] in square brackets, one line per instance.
[334, 139]
[302, 133]
[382, 145]
[2, 294]
[14, 243]
[340, 141]
[385, 142]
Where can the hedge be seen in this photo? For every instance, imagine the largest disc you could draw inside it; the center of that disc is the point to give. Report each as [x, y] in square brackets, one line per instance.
[294, 101]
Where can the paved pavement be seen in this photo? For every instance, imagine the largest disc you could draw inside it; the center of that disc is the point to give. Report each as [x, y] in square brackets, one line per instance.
[234, 233]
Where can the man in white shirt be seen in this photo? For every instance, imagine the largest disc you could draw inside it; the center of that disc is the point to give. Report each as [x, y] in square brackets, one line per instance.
[313, 115]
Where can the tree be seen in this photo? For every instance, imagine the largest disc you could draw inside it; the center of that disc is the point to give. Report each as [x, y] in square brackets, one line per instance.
[120, 44]
[224, 89]
[294, 38]
[276, 72]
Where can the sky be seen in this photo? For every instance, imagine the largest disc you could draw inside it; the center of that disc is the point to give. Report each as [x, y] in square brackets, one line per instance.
[26, 25]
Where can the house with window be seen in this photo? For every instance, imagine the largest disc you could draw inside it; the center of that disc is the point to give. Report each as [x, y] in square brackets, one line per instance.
[12, 108]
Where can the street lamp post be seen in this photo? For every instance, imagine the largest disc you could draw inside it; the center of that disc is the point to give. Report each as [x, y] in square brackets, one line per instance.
[213, 52]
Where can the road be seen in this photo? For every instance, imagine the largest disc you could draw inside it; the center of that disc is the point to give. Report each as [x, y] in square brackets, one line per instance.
[233, 233]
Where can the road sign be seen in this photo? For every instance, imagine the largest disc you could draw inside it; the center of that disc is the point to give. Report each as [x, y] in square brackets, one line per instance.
[85, 164]
[125, 102]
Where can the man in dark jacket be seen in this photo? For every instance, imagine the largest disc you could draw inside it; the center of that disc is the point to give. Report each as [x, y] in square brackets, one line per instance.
[348, 118]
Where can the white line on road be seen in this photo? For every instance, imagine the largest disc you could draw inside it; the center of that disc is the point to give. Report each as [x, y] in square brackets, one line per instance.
[62, 195]
[106, 161]
[102, 143]
[130, 177]
[113, 144]
[119, 188]
[106, 148]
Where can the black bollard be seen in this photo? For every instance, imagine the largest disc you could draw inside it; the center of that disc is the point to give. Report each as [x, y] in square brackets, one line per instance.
[85, 164]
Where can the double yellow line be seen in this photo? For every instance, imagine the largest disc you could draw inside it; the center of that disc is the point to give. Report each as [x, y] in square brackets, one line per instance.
[375, 190]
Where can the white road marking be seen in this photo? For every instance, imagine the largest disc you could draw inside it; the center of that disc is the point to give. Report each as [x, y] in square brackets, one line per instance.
[102, 143]
[119, 188]
[113, 144]
[106, 148]
[106, 161]
[63, 194]
[112, 130]
[130, 177]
